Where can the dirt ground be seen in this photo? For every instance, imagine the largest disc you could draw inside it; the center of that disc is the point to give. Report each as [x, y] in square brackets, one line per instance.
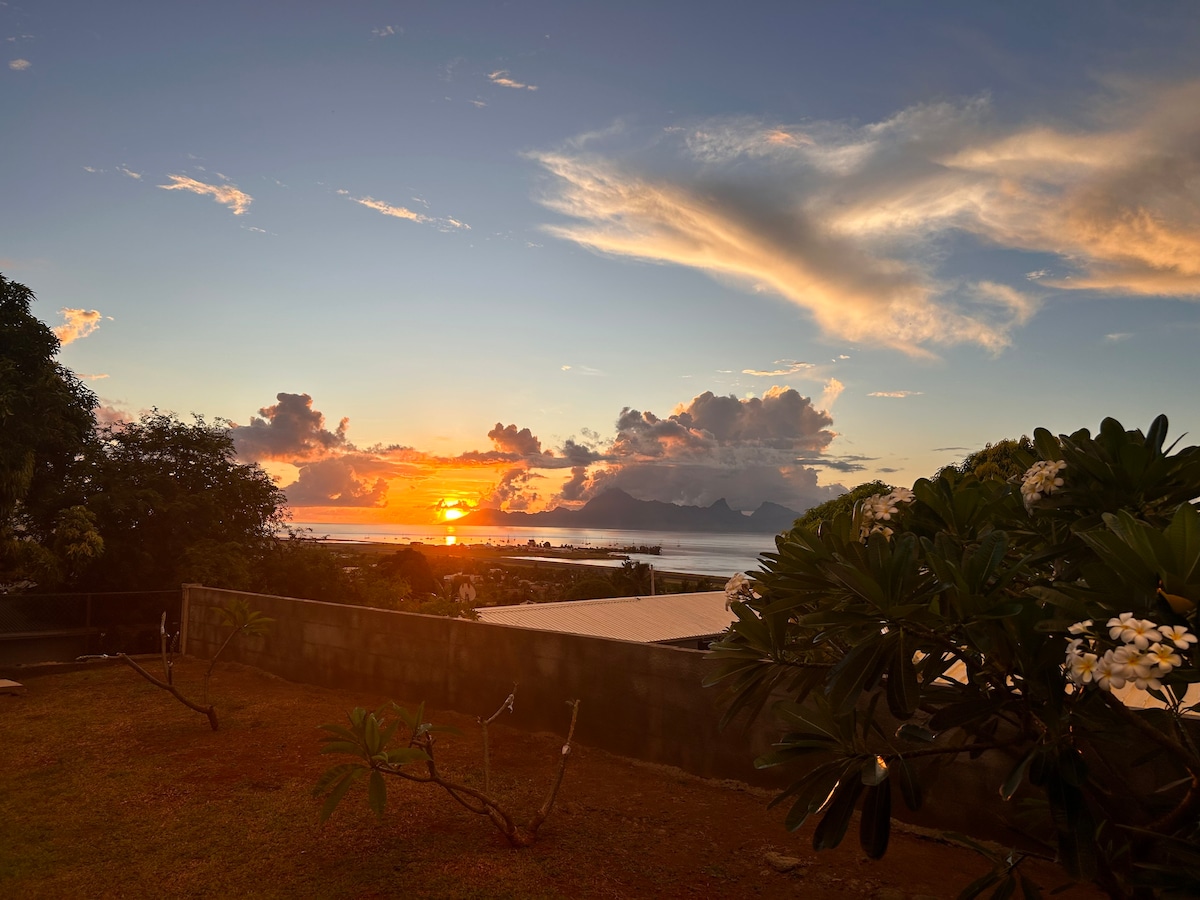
[111, 788]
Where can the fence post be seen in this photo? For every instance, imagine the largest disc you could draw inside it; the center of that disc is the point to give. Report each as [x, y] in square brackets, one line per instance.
[185, 608]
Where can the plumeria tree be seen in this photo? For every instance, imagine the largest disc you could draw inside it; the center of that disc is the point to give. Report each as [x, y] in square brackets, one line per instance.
[1047, 621]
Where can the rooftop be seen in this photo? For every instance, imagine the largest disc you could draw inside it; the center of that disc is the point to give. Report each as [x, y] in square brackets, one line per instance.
[644, 620]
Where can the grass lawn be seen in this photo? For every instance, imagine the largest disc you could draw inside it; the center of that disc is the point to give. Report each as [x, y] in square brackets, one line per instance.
[111, 788]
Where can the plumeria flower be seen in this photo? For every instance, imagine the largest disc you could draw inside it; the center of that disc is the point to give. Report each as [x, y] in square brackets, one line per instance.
[1041, 479]
[903, 495]
[1082, 667]
[1139, 632]
[1108, 673]
[1177, 635]
[1073, 646]
[1135, 663]
[1080, 627]
[1164, 658]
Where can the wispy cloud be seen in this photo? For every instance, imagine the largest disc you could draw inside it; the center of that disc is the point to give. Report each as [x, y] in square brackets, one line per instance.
[895, 395]
[19, 65]
[445, 223]
[1118, 336]
[227, 195]
[100, 376]
[137, 176]
[585, 370]
[856, 223]
[789, 367]
[386, 31]
[79, 324]
[502, 78]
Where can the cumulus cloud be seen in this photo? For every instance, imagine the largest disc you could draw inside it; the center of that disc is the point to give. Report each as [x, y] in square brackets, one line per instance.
[227, 195]
[509, 440]
[502, 78]
[79, 324]
[742, 450]
[19, 65]
[854, 223]
[291, 431]
[333, 482]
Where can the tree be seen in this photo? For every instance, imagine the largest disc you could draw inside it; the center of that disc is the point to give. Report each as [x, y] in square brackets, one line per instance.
[46, 420]
[988, 616]
[173, 504]
[1004, 460]
[830, 509]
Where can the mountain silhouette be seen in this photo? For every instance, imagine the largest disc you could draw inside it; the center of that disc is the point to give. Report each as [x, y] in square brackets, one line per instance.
[616, 509]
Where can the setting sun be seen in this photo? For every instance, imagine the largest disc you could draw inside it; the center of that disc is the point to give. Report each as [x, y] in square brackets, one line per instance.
[450, 513]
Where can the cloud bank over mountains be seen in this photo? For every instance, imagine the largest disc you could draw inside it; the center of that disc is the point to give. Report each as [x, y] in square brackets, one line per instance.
[745, 450]
[858, 224]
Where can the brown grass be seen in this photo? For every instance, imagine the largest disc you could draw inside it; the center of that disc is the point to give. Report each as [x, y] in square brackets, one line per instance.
[109, 788]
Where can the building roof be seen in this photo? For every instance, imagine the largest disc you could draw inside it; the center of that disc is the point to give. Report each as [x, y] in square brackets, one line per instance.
[645, 620]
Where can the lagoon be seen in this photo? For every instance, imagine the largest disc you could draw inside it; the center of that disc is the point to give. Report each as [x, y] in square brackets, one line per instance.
[695, 553]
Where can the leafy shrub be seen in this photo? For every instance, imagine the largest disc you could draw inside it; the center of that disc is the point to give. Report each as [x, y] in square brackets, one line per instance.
[959, 611]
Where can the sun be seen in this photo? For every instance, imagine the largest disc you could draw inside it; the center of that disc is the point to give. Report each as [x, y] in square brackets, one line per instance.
[450, 513]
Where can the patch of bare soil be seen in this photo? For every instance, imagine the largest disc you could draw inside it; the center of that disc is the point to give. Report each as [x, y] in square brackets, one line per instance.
[111, 788]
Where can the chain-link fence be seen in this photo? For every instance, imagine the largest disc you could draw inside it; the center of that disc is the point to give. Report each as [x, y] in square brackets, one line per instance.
[60, 627]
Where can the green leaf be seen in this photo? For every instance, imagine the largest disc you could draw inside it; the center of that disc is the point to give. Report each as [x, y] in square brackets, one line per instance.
[916, 733]
[903, 689]
[403, 756]
[339, 791]
[875, 825]
[1017, 775]
[910, 784]
[832, 828]
[376, 793]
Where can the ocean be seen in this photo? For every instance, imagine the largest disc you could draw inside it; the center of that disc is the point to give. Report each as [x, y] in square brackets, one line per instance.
[695, 553]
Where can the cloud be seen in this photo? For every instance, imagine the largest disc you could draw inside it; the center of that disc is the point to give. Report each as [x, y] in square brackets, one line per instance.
[402, 212]
[386, 31]
[833, 390]
[713, 447]
[79, 324]
[858, 224]
[584, 370]
[137, 176]
[1117, 337]
[895, 395]
[333, 482]
[99, 376]
[19, 65]
[290, 430]
[509, 440]
[501, 78]
[790, 367]
[227, 195]
[744, 450]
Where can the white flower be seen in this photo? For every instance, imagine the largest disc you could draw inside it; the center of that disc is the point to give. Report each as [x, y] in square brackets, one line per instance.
[1108, 673]
[1164, 658]
[737, 584]
[880, 508]
[1134, 662]
[1041, 479]
[1139, 632]
[1177, 635]
[1082, 667]
[1080, 627]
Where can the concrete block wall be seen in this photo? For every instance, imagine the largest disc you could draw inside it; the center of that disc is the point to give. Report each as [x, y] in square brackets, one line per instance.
[642, 701]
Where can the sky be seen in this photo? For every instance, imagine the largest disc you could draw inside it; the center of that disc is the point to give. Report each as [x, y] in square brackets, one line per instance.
[427, 257]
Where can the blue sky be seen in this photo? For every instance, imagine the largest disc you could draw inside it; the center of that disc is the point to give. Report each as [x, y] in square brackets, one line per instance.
[437, 255]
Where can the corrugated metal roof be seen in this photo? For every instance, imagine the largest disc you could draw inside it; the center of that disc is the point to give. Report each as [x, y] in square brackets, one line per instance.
[646, 620]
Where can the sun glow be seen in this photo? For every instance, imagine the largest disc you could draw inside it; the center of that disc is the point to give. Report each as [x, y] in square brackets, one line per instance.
[450, 513]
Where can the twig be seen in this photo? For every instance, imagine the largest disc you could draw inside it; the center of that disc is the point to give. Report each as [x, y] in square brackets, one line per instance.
[483, 724]
[173, 691]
